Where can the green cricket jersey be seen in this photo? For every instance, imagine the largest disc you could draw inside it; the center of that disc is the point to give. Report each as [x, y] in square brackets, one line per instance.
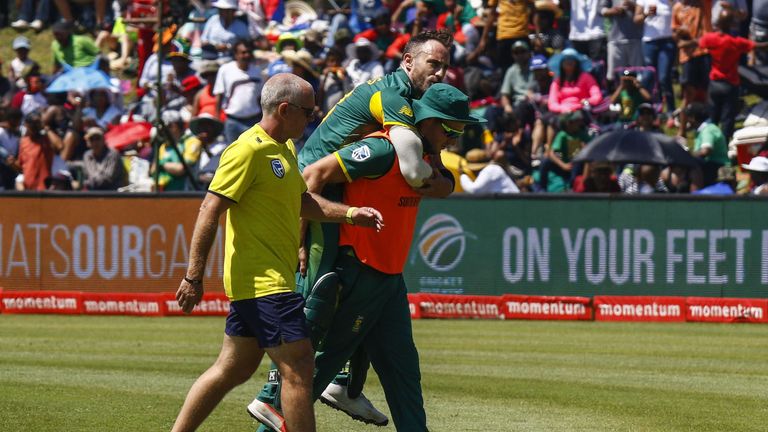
[370, 158]
[372, 106]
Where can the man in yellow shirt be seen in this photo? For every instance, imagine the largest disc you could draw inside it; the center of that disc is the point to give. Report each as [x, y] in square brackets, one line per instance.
[259, 185]
[511, 18]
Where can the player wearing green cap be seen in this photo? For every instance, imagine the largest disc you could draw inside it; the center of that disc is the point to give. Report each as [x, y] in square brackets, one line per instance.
[373, 306]
[380, 104]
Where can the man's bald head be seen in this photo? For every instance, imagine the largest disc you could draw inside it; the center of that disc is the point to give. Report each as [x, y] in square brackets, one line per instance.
[284, 87]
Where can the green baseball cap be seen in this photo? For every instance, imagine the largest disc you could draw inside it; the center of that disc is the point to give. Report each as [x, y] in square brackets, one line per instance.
[444, 102]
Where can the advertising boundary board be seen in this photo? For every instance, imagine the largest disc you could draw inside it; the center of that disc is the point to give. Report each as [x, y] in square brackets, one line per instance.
[546, 245]
[422, 306]
[592, 245]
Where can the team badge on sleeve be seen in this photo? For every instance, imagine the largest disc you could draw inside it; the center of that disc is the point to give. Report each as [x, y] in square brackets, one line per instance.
[277, 168]
[361, 153]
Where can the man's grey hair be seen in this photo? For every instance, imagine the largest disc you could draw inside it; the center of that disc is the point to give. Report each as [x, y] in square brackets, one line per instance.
[283, 87]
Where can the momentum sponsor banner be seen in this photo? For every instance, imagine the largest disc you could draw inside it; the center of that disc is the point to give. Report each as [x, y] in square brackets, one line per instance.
[101, 244]
[727, 309]
[42, 302]
[586, 246]
[212, 304]
[459, 306]
[626, 308]
[140, 304]
[446, 306]
[546, 308]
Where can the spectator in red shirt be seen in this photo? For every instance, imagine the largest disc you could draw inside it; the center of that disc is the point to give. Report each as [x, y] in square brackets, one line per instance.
[31, 98]
[36, 151]
[394, 52]
[725, 51]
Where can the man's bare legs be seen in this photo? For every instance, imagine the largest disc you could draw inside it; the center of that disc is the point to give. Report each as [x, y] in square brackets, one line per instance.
[296, 364]
[238, 360]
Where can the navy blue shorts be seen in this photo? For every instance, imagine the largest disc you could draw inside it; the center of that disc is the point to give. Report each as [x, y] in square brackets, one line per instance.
[696, 72]
[273, 320]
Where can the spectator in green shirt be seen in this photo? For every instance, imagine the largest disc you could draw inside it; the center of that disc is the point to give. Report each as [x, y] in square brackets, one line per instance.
[571, 138]
[710, 145]
[71, 49]
[629, 94]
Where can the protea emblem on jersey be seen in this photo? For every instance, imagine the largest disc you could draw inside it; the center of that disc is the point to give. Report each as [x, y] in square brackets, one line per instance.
[406, 110]
[277, 168]
[361, 153]
[442, 242]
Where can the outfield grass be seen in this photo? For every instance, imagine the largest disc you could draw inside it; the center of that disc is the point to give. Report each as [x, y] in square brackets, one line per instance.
[40, 52]
[123, 373]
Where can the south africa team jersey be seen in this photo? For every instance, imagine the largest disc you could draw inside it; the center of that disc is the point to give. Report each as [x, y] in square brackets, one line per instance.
[262, 239]
[372, 106]
[379, 184]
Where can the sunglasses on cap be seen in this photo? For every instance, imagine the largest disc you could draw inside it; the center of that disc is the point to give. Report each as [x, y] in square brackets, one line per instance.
[450, 132]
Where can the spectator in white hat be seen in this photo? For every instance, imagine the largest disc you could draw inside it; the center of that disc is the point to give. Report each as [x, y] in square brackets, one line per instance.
[363, 63]
[21, 46]
[758, 172]
[223, 30]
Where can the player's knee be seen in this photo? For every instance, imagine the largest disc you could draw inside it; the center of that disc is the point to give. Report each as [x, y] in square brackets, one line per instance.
[299, 372]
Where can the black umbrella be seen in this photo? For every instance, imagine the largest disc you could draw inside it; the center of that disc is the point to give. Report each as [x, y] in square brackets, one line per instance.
[632, 146]
[675, 153]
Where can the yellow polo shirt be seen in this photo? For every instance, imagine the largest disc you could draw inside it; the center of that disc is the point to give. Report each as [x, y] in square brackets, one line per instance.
[261, 247]
[512, 22]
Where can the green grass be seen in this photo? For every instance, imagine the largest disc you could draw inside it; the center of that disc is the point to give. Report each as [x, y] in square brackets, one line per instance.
[40, 52]
[123, 373]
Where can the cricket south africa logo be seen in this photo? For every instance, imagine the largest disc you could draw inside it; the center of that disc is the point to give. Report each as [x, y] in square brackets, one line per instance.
[442, 241]
[277, 168]
[361, 153]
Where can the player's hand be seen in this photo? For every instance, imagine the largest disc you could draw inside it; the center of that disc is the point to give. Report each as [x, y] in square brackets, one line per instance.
[368, 217]
[189, 295]
[303, 259]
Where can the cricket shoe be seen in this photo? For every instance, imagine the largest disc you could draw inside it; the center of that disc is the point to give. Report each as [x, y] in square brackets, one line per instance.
[359, 408]
[267, 415]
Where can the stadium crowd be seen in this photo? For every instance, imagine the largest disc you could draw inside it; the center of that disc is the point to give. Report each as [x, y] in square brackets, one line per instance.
[549, 76]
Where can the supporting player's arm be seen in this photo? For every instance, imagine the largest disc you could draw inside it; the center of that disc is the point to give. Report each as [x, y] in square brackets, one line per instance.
[316, 176]
[190, 290]
[315, 207]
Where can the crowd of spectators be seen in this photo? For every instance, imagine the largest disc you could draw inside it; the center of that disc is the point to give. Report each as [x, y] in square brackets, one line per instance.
[548, 75]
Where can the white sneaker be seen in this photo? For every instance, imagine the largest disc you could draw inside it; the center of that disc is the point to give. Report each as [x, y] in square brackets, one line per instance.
[359, 408]
[36, 25]
[20, 24]
[266, 415]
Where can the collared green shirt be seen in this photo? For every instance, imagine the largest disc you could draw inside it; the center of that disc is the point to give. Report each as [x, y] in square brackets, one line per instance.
[709, 135]
[374, 105]
[81, 51]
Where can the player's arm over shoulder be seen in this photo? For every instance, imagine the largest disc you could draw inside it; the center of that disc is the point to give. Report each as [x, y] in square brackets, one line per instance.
[410, 155]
